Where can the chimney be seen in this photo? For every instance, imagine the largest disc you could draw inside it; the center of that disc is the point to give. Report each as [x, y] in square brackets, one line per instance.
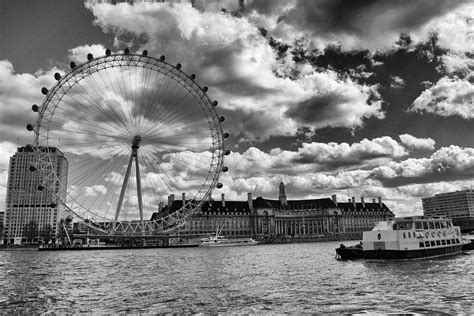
[349, 200]
[161, 205]
[249, 199]
[354, 201]
[334, 199]
[373, 201]
[362, 201]
[380, 201]
[183, 198]
[223, 199]
[170, 199]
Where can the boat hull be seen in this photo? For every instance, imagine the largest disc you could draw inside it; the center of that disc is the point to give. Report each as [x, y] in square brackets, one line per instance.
[349, 253]
[384, 254]
[229, 244]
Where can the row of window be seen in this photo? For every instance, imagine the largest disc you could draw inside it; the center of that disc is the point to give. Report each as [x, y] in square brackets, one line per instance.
[442, 242]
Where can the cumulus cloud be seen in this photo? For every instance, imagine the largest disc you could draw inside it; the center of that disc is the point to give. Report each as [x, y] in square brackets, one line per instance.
[79, 53]
[454, 29]
[19, 92]
[413, 142]
[354, 24]
[95, 190]
[230, 55]
[448, 97]
[313, 157]
[334, 154]
[430, 189]
[447, 163]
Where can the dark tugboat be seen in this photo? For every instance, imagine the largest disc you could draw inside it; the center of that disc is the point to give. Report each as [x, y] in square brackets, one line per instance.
[350, 253]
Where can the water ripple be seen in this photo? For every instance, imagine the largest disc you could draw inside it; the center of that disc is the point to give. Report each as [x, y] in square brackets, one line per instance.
[268, 279]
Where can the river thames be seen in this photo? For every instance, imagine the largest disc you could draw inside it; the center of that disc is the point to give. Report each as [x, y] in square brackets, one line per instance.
[288, 278]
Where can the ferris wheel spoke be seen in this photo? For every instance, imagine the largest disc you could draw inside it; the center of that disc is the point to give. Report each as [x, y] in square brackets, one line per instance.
[163, 100]
[188, 133]
[161, 172]
[173, 112]
[106, 95]
[84, 124]
[122, 116]
[85, 109]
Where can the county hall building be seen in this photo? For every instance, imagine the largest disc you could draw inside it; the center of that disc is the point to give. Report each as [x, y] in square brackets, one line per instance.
[281, 220]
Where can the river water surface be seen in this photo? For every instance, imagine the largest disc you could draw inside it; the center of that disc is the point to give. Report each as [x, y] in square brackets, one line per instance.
[289, 278]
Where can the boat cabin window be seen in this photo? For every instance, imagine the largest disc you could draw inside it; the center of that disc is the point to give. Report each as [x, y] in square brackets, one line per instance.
[449, 224]
[443, 224]
[431, 224]
[433, 243]
[425, 225]
[403, 225]
[418, 225]
[427, 243]
[438, 243]
[437, 225]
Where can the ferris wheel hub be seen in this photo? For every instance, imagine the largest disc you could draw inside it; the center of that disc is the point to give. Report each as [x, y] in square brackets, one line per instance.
[136, 142]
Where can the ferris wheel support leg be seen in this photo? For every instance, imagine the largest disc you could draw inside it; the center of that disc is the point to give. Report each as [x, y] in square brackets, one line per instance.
[139, 191]
[122, 192]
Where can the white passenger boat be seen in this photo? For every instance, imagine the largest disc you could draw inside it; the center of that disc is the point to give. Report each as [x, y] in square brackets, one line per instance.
[222, 241]
[412, 238]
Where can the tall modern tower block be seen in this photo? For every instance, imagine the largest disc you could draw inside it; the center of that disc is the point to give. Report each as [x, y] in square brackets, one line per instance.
[31, 213]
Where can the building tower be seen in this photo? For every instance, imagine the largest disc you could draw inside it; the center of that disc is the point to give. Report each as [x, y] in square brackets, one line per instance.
[282, 194]
[459, 206]
[31, 214]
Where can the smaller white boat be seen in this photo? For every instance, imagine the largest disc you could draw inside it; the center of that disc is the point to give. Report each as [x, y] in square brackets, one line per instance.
[222, 241]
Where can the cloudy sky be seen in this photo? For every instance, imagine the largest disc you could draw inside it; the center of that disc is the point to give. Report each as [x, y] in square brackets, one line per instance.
[353, 98]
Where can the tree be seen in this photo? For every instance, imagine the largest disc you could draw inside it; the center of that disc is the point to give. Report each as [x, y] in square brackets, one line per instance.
[30, 231]
[47, 233]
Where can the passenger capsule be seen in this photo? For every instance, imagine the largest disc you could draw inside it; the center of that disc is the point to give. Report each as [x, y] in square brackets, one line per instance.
[222, 119]
[29, 127]
[193, 76]
[57, 76]
[162, 57]
[40, 187]
[126, 51]
[35, 108]
[32, 168]
[44, 91]
[225, 135]
[205, 89]
[219, 185]
[214, 103]
[108, 52]
[145, 53]
[90, 57]
[178, 66]
[227, 152]
[72, 65]
[225, 169]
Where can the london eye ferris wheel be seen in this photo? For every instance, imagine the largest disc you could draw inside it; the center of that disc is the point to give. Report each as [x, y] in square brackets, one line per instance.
[134, 129]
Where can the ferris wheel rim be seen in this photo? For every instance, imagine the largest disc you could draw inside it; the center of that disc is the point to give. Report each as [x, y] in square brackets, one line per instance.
[78, 73]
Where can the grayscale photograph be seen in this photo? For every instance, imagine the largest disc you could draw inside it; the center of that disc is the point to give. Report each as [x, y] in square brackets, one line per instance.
[236, 157]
